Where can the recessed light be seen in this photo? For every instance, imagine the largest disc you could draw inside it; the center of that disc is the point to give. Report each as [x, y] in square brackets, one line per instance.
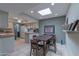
[44, 12]
[19, 21]
[52, 3]
[32, 11]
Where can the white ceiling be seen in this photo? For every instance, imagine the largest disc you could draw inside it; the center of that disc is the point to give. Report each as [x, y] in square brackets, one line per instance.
[59, 9]
[22, 10]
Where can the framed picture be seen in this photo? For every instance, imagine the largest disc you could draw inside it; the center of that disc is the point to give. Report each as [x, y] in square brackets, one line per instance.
[49, 29]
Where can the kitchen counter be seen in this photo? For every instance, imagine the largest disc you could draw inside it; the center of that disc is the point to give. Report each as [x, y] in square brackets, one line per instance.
[7, 43]
[3, 35]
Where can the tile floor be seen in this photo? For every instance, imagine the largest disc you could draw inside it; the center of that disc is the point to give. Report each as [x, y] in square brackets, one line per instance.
[24, 50]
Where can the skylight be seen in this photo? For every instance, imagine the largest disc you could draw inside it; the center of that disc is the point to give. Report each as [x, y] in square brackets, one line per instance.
[44, 12]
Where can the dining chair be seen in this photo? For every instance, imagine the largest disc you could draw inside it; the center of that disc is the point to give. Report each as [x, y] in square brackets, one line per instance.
[35, 47]
[52, 42]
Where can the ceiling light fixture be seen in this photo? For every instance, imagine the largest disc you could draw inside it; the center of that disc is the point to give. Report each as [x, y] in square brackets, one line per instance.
[44, 12]
[19, 21]
[32, 11]
[52, 3]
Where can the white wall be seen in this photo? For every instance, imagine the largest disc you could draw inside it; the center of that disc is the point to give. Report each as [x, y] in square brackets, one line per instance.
[71, 42]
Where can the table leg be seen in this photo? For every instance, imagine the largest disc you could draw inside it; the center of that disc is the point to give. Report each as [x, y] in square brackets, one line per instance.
[54, 45]
[44, 50]
[55, 48]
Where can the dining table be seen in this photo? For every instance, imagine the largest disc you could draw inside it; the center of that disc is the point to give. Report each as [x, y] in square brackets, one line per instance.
[44, 39]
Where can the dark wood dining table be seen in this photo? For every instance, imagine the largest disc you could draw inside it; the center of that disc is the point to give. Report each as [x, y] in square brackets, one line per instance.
[44, 38]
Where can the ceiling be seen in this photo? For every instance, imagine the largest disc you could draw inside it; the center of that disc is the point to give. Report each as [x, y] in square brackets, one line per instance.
[22, 10]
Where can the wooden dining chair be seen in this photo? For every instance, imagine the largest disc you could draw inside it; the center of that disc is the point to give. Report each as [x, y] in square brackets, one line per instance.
[35, 47]
[52, 42]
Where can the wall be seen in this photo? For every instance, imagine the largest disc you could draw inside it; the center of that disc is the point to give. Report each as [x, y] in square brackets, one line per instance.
[71, 42]
[73, 13]
[58, 22]
[3, 19]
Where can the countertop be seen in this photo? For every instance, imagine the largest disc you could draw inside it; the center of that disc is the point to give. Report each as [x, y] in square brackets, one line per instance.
[30, 33]
[3, 35]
